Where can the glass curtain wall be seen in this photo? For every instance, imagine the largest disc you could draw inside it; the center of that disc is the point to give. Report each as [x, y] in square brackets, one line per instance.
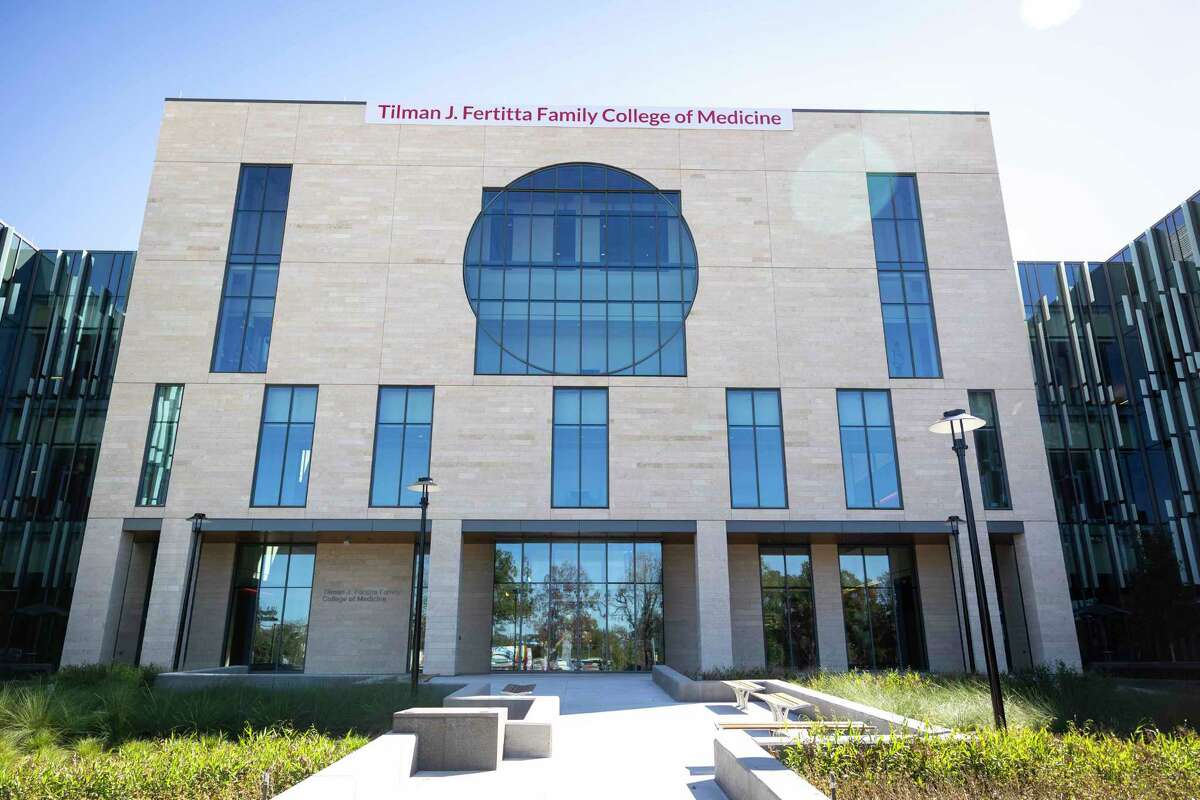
[577, 605]
[272, 592]
[789, 622]
[882, 608]
[61, 316]
[1114, 347]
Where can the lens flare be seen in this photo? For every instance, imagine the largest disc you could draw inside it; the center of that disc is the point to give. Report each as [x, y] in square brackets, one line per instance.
[1043, 14]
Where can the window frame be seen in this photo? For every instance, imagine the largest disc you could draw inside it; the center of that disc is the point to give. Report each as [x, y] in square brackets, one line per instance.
[920, 610]
[920, 219]
[994, 426]
[227, 636]
[212, 364]
[579, 426]
[672, 196]
[523, 585]
[375, 440]
[258, 448]
[895, 451]
[166, 485]
[784, 590]
[754, 428]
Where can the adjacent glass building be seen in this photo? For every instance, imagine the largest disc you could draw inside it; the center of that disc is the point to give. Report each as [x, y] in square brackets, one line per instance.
[61, 315]
[1116, 355]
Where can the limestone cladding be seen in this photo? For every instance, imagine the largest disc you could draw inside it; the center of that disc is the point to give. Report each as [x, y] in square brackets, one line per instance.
[371, 293]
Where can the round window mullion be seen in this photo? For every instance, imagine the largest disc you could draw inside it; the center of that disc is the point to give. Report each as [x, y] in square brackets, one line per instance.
[647, 226]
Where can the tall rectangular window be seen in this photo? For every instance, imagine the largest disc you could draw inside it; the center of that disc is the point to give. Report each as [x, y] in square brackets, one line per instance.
[989, 451]
[909, 330]
[789, 623]
[403, 429]
[580, 457]
[252, 270]
[160, 445]
[881, 607]
[269, 607]
[587, 605]
[757, 475]
[285, 446]
[869, 466]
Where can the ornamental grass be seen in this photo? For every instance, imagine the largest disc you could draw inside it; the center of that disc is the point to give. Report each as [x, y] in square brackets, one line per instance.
[1020, 764]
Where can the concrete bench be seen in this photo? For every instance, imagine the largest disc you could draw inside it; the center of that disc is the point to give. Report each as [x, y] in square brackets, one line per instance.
[745, 771]
[742, 691]
[781, 704]
[455, 739]
[529, 729]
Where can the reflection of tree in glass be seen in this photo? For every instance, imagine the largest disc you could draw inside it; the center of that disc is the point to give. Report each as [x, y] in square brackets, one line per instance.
[291, 640]
[638, 611]
[506, 566]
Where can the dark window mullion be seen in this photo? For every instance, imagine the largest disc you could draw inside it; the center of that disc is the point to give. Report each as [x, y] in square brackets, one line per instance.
[287, 435]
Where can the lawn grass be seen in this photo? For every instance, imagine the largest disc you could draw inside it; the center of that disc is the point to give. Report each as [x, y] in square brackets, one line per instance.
[106, 732]
[1021, 764]
[1053, 699]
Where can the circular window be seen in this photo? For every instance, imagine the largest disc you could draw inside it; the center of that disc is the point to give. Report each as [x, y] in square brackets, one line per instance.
[580, 269]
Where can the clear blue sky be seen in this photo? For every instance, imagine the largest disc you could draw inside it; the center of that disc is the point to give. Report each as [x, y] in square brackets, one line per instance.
[1094, 104]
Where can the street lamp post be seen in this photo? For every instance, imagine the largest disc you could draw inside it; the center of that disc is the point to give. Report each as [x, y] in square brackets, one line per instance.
[954, 519]
[424, 485]
[183, 630]
[956, 422]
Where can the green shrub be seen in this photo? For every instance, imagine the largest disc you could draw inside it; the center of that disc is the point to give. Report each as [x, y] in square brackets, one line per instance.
[1015, 764]
[178, 768]
[117, 704]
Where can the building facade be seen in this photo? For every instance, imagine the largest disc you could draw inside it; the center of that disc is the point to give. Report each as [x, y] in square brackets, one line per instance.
[61, 315]
[674, 385]
[1115, 363]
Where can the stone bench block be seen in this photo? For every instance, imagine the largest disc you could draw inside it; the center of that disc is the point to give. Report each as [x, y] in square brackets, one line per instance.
[529, 731]
[455, 739]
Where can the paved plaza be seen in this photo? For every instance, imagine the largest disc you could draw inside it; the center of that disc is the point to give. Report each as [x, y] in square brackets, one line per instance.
[619, 736]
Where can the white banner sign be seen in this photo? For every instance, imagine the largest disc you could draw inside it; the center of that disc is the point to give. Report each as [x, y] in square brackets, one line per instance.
[706, 118]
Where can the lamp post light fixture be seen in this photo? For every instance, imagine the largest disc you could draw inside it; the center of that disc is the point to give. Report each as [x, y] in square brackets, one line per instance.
[956, 422]
[183, 632]
[424, 485]
[954, 520]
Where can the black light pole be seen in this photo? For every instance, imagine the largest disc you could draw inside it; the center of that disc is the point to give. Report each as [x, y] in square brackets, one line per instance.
[954, 519]
[189, 591]
[957, 422]
[424, 485]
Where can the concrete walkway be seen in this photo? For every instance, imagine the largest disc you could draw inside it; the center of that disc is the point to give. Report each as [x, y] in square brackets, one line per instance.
[619, 736]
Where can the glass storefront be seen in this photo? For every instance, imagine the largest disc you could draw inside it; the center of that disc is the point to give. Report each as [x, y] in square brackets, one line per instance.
[789, 624]
[577, 605]
[882, 608]
[268, 612]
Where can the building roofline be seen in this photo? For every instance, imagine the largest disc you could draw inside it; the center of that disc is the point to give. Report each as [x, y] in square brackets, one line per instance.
[363, 103]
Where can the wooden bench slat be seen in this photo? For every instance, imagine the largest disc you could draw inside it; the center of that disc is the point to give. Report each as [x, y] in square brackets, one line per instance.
[781, 699]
